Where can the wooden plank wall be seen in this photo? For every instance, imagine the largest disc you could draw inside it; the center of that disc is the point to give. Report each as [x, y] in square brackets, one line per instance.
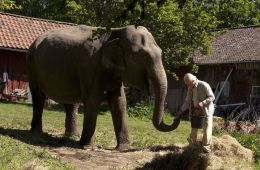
[176, 90]
[16, 69]
[243, 77]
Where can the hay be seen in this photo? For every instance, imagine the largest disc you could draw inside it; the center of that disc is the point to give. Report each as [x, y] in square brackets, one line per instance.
[227, 146]
[226, 153]
[190, 158]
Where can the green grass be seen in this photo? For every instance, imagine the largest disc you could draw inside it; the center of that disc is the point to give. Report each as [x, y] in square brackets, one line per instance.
[141, 131]
[20, 149]
[15, 154]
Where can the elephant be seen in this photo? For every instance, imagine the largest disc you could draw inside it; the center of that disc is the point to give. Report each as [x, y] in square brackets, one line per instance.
[75, 64]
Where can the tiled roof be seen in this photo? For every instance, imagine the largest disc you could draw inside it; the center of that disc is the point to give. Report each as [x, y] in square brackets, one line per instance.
[18, 32]
[235, 46]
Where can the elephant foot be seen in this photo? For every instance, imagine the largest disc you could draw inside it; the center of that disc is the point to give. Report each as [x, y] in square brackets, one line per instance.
[126, 148]
[88, 147]
[36, 130]
[72, 134]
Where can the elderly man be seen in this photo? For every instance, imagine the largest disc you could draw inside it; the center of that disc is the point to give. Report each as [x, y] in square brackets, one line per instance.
[199, 99]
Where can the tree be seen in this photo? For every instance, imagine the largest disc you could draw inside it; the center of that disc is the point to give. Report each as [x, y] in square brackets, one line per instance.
[179, 26]
[237, 13]
[181, 31]
[6, 5]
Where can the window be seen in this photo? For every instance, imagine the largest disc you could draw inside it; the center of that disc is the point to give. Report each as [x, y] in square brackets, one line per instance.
[255, 93]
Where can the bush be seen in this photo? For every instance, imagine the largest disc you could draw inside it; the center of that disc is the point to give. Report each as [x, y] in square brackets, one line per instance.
[144, 109]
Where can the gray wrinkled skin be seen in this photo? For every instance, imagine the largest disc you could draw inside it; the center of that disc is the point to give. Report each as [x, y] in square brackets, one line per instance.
[70, 65]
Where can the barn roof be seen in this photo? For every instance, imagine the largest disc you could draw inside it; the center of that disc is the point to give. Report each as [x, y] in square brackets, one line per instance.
[18, 32]
[239, 45]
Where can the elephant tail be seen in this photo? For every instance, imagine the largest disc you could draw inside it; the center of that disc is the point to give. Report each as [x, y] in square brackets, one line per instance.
[30, 65]
[29, 59]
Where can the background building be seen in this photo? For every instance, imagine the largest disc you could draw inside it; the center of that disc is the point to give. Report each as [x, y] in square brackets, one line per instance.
[16, 35]
[235, 53]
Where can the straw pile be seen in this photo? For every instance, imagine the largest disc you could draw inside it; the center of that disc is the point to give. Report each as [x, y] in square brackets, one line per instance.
[226, 153]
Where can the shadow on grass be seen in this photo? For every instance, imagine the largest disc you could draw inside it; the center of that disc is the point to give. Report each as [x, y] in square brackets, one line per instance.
[16, 103]
[57, 107]
[53, 107]
[190, 158]
[39, 139]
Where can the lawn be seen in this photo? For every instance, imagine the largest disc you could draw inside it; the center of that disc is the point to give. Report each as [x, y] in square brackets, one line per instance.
[21, 149]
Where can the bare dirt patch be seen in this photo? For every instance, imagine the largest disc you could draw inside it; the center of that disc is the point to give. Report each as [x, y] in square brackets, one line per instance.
[102, 159]
[226, 153]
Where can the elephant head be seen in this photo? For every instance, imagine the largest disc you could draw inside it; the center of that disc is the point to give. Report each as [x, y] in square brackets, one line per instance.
[133, 52]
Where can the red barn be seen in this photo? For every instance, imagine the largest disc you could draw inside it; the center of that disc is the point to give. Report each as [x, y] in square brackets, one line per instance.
[16, 35]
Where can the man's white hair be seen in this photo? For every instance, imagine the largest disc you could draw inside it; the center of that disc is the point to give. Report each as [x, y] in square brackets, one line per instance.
[189, 77]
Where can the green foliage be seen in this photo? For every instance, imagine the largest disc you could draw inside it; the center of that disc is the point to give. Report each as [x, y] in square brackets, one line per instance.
[183, 31]
[144, 109]
[6, 5]
[235, 13]
[179, 27]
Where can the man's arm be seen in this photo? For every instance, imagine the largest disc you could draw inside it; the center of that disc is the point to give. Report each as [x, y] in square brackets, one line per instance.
[187, 101]
[210, 95]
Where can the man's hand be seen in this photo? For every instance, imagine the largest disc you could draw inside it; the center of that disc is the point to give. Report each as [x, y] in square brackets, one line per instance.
[200, 105]
[178, 114]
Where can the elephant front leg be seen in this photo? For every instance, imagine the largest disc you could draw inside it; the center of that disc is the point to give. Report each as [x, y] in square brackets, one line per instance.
[117, 103]
[71, 121]
[89, 124]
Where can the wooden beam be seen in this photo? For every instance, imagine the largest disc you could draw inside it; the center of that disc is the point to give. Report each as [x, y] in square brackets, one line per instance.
[222, 87]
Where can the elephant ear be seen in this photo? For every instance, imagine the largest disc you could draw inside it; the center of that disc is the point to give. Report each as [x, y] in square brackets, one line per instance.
[113, 55]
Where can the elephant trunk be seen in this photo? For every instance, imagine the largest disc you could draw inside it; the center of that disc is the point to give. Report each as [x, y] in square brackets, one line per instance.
[159, 81]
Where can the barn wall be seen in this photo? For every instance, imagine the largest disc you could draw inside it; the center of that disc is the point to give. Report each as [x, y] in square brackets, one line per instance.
[214, 75]
[243, 77]
[16, 68]
[176, 89]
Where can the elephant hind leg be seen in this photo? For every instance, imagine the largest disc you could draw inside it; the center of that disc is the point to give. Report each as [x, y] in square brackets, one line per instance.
[38, 99]
[71, 121]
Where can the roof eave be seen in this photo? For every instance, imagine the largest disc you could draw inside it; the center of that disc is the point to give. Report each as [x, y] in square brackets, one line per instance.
[14, 49]
[39, 19]
[235, 62]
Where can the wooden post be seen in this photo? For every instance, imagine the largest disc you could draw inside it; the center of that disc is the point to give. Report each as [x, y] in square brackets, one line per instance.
[222, 87]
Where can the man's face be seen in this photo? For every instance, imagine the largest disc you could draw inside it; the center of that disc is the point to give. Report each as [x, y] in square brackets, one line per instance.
[190, 82]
